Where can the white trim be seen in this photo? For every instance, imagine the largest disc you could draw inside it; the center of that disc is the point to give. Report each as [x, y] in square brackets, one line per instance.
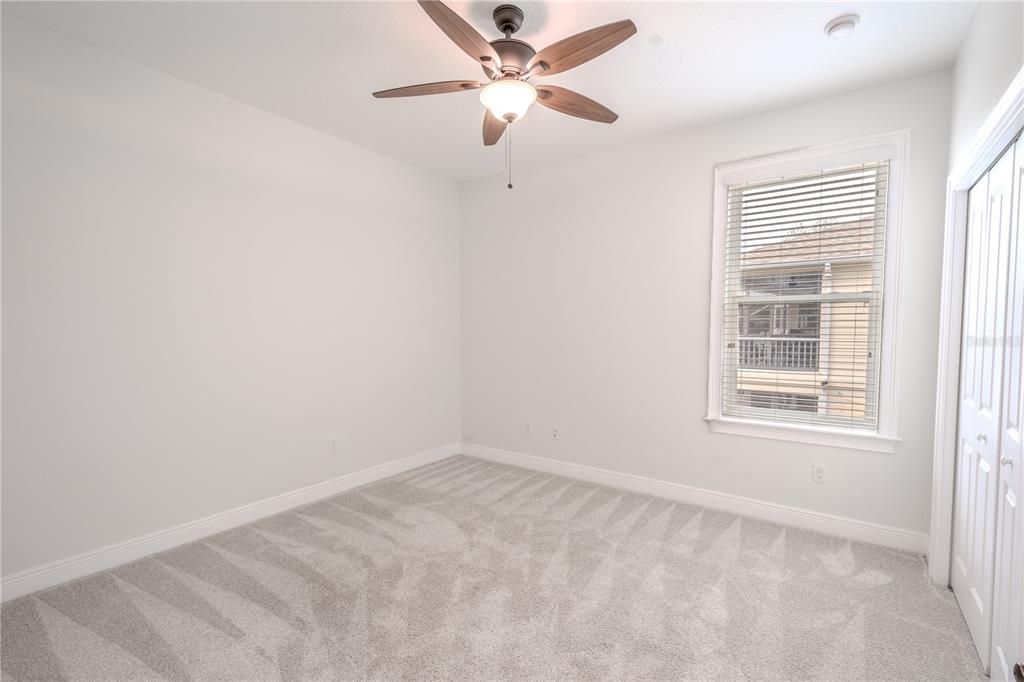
[61, 571]
[862, 531]
[802, 433]
[999, 129]
[895, 147]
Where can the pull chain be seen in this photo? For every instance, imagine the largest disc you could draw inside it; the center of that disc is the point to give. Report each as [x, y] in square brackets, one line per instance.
[508, 153]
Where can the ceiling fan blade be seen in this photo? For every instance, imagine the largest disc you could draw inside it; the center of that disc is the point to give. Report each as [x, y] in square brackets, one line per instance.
[493, 129]
[429, 89]
[582, 47]
[489, 70]
[573, 103]
[462, 34]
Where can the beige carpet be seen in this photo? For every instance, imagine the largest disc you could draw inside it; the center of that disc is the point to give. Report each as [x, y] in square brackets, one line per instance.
[472, 570]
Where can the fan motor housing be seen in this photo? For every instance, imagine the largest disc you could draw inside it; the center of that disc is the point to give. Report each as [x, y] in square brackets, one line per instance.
[515, 54]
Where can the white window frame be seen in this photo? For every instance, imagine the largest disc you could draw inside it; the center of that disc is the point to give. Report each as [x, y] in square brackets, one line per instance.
[893, 147]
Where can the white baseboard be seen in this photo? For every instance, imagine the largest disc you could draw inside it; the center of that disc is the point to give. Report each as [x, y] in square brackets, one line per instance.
[862, 531]
[61, 571]
[58, 572]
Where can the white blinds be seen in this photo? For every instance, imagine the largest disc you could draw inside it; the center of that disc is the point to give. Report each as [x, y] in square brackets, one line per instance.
[804, 263]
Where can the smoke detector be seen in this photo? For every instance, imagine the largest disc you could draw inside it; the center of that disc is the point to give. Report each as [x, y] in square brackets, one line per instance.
[842, 27]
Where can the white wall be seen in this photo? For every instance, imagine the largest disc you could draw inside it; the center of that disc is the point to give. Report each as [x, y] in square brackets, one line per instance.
[197, 296]
[991, 55]
[585, 303]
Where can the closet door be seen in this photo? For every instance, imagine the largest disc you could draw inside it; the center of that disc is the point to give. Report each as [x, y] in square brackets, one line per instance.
[977, 489]
[1008, 605]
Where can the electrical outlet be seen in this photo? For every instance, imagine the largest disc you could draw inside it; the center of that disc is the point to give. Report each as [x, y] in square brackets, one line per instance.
[528, 428]
[818, 473]
[554, 433]
[332, 447]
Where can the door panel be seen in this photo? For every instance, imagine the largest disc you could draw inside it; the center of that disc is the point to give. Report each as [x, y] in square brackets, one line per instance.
[1008, 605]
[977, 487]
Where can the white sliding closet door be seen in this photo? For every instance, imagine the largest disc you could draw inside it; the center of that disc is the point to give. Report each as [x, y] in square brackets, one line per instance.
[981, 379]
[1008, 605]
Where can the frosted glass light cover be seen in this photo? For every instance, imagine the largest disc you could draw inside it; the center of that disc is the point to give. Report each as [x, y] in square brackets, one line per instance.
[508, 97]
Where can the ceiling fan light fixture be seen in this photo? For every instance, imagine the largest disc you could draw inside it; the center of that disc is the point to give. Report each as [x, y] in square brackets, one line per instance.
[508, 98]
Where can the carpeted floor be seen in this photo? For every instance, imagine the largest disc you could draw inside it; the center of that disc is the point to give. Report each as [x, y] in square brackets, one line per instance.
[473, 570]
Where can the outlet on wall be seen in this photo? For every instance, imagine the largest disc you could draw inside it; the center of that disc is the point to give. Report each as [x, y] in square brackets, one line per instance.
[554, 433]
[528, 428]
[818, 473]
[332, 447]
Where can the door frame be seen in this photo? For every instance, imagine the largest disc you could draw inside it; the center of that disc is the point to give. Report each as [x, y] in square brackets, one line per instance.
[1000, 127]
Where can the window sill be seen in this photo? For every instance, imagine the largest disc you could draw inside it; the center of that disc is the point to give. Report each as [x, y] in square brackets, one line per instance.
[815, 435]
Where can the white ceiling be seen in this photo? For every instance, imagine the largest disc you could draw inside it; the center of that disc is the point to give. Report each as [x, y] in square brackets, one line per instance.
[317, 62]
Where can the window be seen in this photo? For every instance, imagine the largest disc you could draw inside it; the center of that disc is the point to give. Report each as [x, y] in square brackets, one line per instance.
[804, 274]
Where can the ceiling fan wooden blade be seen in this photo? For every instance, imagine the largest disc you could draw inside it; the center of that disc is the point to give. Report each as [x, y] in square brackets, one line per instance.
[429, 89]
[572, 103]
[462, 34]
[493, 129]
[582, 47]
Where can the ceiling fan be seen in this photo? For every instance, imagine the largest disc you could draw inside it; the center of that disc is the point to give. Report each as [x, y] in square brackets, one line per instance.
[510, 63]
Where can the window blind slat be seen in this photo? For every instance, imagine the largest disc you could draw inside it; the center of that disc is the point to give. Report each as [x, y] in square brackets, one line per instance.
[802, 314]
